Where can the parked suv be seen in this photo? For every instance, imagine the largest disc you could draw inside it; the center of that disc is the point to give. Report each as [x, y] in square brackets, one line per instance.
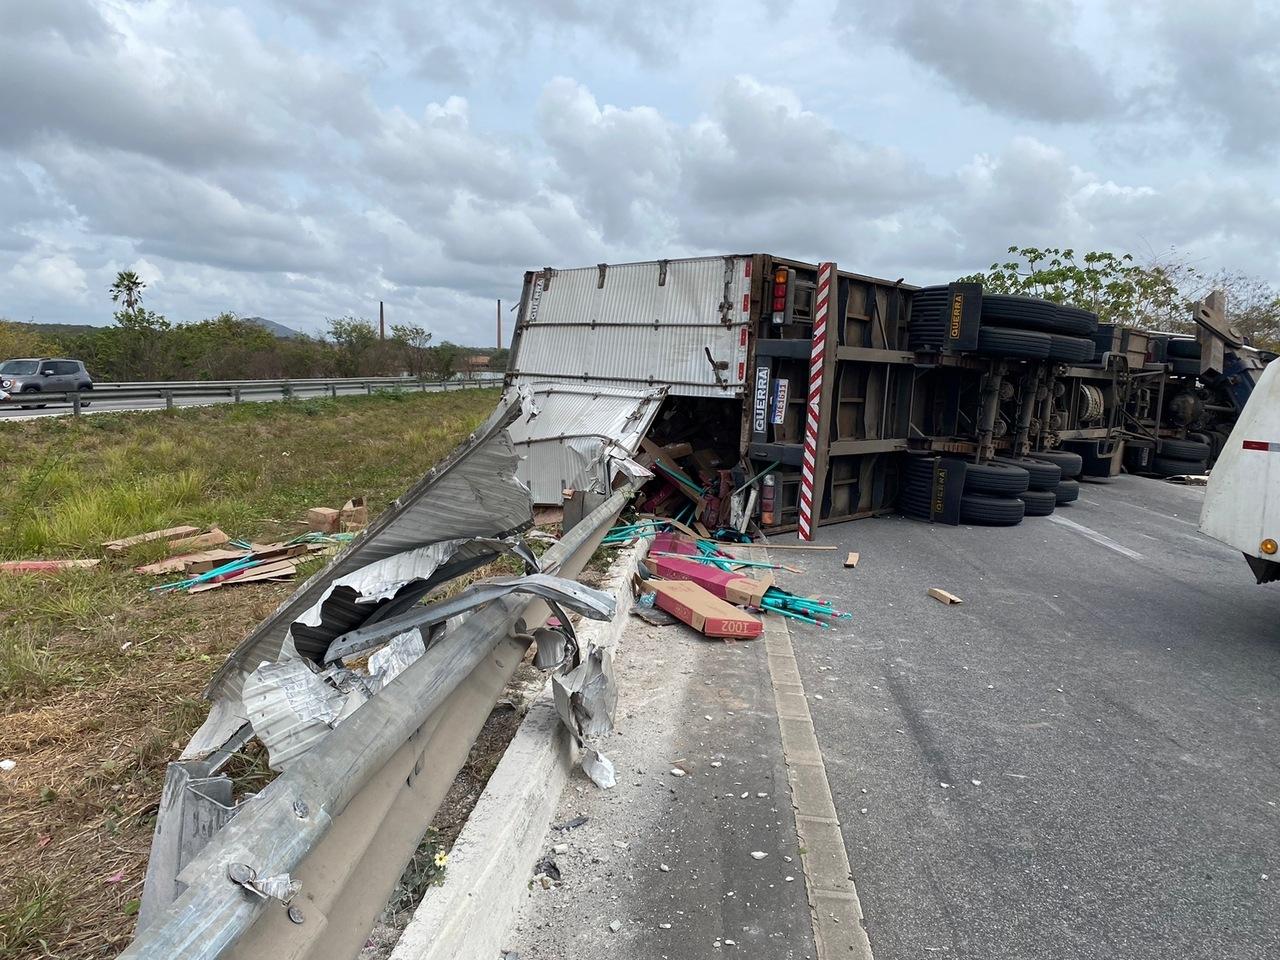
[43, 374]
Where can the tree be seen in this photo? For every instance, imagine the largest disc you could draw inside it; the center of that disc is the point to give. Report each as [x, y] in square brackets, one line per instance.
[128, 287]
[499, 359]
[412, 341]
[354, 340]
[1115, 287]
[442, 360]
[20, 340]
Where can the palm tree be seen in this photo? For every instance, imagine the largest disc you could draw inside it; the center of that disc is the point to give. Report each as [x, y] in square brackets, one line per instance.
[129, 287]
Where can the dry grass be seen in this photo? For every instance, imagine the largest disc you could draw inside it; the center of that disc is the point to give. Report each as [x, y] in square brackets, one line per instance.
[100, 679]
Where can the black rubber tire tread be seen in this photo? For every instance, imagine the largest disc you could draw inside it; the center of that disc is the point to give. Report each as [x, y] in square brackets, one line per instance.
[999, 478]
[1174, 467]
[1039, 503]
[1044, 475]
[1071, 464]
[1008, 342]
[1185, 367]
[985, 511]
[1067, 492]
[1186, 348]
[1011, 306]
[1070, 349]
[1077, 321]
[1175, 449]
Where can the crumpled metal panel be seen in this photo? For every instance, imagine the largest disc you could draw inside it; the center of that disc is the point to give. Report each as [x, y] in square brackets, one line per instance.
[648, 324]
[578, 429]
[592, 603]
[472, 493]
[290, 708]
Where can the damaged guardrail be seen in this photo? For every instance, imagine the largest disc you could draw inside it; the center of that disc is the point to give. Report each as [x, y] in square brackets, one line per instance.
[303, 868]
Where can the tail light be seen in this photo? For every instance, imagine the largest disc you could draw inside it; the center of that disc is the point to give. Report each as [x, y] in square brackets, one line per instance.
[782, 284]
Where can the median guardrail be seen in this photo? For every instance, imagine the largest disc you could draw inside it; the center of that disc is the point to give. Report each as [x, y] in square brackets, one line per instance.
[236, 390]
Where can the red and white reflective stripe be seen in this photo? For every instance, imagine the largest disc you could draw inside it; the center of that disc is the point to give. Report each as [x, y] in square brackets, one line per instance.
[1262, 445]
[817, 356]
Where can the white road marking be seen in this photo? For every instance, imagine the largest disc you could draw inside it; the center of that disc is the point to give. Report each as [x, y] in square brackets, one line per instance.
[1097, 537]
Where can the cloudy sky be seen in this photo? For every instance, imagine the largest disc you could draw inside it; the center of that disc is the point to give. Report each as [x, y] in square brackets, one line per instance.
[300, 159]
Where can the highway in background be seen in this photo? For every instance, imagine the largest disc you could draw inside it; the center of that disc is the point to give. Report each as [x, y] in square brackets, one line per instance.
[103, 400]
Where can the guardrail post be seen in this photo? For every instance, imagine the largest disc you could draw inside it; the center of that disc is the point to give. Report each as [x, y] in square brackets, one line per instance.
[75, 404]
[286, 390]
[368, 388]
[333, 390]
[235, 394]
[168, 399]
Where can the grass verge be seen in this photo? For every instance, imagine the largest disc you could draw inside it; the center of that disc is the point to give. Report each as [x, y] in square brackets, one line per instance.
[99, 678]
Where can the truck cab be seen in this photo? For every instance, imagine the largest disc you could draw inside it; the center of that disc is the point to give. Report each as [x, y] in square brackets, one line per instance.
[1242, 502]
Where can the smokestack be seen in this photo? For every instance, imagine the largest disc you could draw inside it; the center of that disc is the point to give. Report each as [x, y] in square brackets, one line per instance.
[499, 324]
[382, 322]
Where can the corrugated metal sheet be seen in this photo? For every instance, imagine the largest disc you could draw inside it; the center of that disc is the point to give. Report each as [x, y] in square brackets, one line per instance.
[640, 324]
[567, 444]
[472, 493]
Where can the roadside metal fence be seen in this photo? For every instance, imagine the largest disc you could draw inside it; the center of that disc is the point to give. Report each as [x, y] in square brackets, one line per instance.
[237, 390]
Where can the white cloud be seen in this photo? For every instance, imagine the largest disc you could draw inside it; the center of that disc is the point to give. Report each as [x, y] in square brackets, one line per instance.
[307, 158]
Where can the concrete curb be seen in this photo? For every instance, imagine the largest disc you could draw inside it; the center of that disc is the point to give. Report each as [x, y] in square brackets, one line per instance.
[471, 913]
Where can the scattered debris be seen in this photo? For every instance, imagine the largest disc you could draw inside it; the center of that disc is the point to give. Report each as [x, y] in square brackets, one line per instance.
[546, 867]
[943, 596]
[615, 926]
[701, 610]
[851, 560]
[45, 566]
[572, 824]
[7, 765]
[353, 516]
[323, 519]
[758, 855]
[201, 541]
[599, 768]
[171, 533]
[677, 772]
[664, 868]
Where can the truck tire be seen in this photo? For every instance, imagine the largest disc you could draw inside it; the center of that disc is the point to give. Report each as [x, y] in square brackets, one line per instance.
[1174, 467]
[1008, 342]
[1186, 347]
[1185, 366]
[1003, 309]
[1077, 321]
[1069, 463]
[1067, 492]
[1043, 474]
[985, 511]
[1039, 503]
[1070, 349]
[997, 478]
[1176, 449]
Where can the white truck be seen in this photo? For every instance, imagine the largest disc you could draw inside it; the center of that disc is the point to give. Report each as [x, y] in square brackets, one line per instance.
[1242, 502]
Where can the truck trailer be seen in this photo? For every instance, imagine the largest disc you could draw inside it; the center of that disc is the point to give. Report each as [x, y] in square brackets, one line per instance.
[844, 390]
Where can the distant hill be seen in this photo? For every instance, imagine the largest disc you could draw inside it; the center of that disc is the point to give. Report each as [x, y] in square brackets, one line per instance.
[62, 329]
[279, 329]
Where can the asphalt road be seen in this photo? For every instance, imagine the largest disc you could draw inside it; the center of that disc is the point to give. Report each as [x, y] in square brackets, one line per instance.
[1103, 708]
[100, 402]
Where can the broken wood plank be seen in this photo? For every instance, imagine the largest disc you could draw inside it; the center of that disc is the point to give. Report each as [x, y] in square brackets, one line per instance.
[943, 596]
[171, 533]
[45, 566]
[198, 562]
[283, 570]
[203, 541]
[851, 560]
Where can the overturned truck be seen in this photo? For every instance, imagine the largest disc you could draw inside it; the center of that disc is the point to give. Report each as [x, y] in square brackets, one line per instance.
[811, 395]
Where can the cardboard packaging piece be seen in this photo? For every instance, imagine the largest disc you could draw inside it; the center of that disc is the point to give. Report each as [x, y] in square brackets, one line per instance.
[727, 585]
[703, 611]
[353, 516]
[323, 519]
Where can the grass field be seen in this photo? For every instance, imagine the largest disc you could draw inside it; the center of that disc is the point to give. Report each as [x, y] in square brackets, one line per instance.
[100, 679]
